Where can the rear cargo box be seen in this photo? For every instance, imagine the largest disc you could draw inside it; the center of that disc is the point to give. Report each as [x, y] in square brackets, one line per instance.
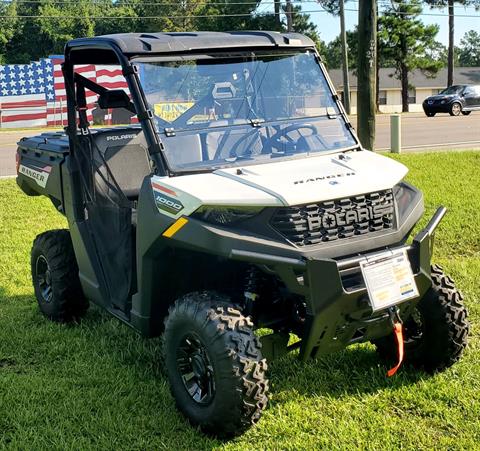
[39, 164]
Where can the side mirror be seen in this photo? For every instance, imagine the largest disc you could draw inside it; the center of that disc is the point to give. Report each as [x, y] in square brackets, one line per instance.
[115, 98]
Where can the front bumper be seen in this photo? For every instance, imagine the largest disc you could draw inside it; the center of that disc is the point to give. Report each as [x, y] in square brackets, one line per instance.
[338, 311]
[437, 107]
[339, 315]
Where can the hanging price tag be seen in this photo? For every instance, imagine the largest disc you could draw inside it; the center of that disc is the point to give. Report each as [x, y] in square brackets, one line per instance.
[389, 279]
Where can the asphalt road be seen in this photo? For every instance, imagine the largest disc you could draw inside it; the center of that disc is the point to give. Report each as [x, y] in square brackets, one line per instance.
[418, 133]
[421, 133]
[8, 147]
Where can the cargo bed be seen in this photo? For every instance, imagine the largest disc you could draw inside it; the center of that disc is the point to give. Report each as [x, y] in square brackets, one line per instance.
[39, 160]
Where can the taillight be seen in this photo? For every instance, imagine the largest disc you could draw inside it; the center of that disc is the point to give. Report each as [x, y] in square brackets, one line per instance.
[17, 161]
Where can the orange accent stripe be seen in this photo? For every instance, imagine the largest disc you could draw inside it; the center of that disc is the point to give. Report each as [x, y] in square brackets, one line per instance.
[164, 189]
[175, 227]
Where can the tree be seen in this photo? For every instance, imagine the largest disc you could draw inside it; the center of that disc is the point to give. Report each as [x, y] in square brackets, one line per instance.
[469, 51]
[440, 52]
[333, 53]
[338, 8]
[213, 15]
[451, 28]
[408, 43]
[111, 9]
[46, 25]
[302, 24]
[9, 25]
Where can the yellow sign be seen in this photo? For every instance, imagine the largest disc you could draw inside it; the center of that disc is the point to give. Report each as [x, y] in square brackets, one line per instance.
[171, 110]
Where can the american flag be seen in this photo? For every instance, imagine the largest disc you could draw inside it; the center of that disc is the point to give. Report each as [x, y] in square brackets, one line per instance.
[23, 94]
[33, 95]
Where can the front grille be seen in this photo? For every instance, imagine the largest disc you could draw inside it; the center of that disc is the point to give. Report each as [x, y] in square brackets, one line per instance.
[332, 220]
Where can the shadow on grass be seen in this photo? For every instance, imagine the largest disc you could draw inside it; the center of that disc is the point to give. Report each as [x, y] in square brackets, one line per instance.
[357, 370]
[106, 352]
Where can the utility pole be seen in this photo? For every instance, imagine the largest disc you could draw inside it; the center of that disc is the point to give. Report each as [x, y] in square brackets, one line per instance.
[277, 13]
[346, 83]
[377, 75]
[366, 72]
[451, 42]
[289, 11]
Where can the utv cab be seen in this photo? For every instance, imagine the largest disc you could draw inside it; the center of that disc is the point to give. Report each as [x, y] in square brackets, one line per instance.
[240, 200]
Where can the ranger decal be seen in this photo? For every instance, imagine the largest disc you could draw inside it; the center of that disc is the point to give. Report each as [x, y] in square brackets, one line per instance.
[324, 177]
[40, 175]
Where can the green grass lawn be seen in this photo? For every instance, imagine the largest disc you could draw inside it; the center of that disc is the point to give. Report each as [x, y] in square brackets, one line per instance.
[98, 385]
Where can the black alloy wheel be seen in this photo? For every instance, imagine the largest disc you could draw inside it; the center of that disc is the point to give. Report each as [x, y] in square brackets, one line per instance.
[413, 329]
[44, 279]
[196, 369]
[55, 277]
[214, 364]
[455, 109]
[436, 333]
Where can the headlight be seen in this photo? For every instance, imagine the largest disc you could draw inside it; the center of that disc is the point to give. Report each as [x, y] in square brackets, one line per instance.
[405, 196]
[225, 215]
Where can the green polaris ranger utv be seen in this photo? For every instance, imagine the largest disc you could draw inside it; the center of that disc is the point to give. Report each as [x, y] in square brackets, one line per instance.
[242, 200]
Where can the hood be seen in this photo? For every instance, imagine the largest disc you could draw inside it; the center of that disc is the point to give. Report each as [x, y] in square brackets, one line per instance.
[321, 178]
[441, 97]
[292, 182]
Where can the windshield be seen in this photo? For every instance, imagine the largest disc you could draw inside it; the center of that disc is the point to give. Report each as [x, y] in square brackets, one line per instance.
[452, 90]
[214, 112]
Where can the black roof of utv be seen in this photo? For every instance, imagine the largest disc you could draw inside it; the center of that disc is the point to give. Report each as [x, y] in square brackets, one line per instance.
[143, 44]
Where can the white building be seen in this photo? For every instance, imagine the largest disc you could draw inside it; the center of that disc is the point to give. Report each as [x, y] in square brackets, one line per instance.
[422, 87]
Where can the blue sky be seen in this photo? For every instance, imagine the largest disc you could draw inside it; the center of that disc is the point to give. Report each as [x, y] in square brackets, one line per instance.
[329, 26]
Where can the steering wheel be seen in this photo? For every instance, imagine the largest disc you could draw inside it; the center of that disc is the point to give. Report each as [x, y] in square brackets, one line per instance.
[233, 151]
[275, 139]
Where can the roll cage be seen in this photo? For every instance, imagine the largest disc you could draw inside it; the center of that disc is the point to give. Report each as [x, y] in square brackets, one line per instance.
[123, 49]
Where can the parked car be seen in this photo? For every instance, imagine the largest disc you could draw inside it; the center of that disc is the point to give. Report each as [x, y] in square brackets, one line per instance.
[456, 100]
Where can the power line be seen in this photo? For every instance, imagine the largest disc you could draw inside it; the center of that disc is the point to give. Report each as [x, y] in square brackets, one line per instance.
[176, 16]
[385, 3]
[204, 2]
[388, 4]
[193, 16]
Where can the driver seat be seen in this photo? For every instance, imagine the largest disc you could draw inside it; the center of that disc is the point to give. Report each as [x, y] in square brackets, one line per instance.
[125, 152]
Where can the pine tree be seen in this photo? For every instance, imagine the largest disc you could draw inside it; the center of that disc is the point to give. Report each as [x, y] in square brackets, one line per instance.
[408, 42]
[338, 8]
[469, 51]
[451, 28]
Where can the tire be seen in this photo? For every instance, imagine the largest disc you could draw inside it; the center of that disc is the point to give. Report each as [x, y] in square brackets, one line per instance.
[55, 277]
[430, 114]
[466, 113]
[436, 334]
[210, 349]
[455, 109]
